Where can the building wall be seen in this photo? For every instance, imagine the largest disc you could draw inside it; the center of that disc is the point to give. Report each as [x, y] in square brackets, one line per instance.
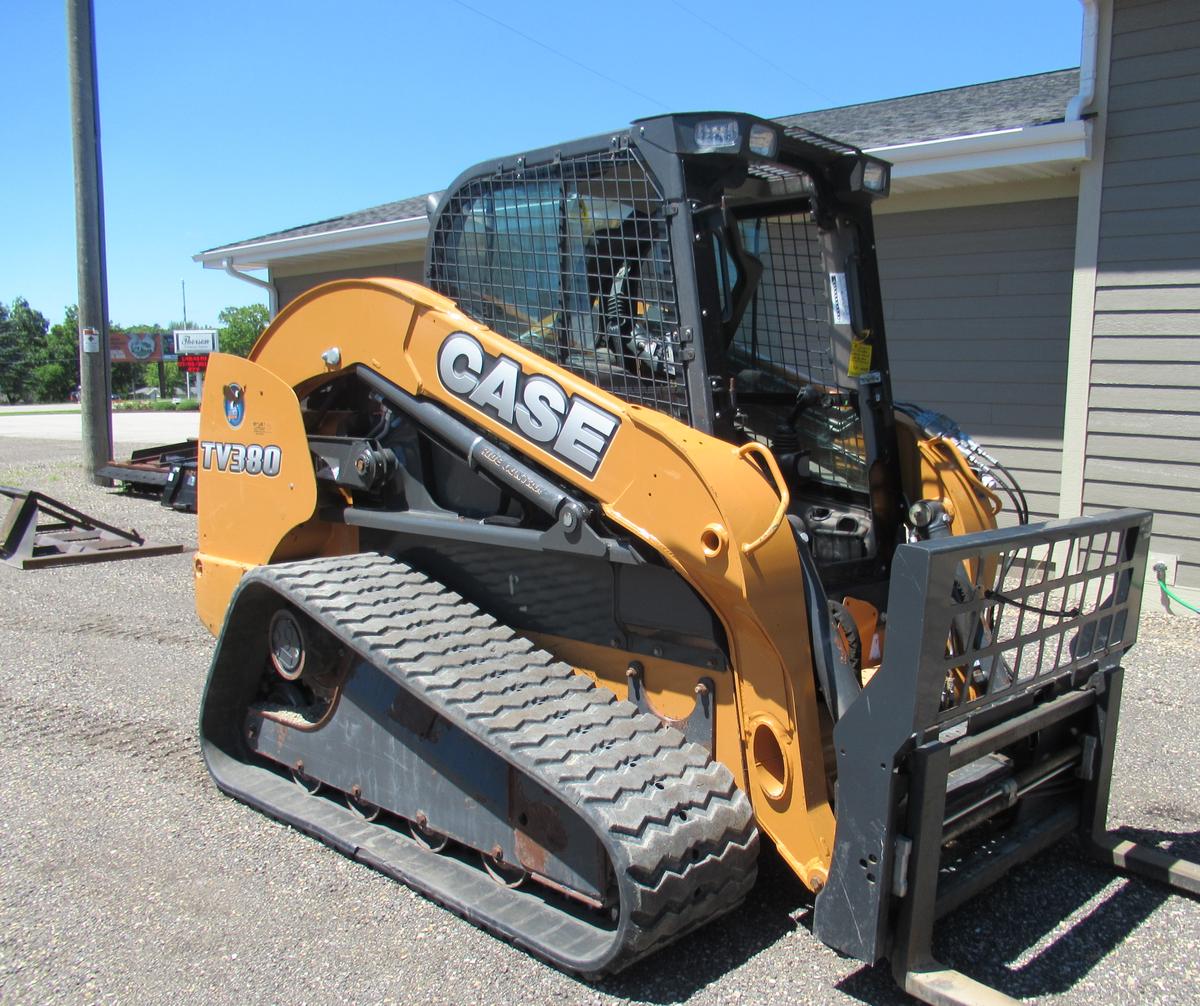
[977, 302]
[290, 287]
[1143, 431]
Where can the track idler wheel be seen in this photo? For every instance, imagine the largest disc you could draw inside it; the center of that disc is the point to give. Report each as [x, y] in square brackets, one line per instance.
[304, 673]
[287, 645]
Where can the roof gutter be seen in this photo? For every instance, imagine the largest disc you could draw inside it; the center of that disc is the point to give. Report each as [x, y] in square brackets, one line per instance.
[1089, 48]
[1055, 142]
[259, 254]
[227, 265]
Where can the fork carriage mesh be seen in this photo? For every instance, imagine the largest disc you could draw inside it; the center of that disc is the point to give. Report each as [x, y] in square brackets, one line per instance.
[1004, 618]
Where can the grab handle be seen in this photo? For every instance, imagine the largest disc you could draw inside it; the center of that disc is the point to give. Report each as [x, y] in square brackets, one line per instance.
[785, 499]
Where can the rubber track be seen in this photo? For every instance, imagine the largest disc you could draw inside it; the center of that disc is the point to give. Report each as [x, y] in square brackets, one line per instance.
[680, 834]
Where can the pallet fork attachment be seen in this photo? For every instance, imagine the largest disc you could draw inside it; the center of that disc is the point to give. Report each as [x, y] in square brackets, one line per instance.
[987, 736]
[39, 530]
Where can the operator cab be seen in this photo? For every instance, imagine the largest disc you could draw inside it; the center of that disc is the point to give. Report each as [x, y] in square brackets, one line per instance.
[715, 267]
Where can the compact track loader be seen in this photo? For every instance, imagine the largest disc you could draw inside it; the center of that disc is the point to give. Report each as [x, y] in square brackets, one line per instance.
[555, 586]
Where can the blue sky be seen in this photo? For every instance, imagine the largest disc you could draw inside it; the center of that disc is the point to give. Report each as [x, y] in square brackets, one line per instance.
[224, 120]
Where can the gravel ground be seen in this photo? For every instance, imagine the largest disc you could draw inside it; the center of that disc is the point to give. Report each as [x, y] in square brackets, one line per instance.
[127, 877]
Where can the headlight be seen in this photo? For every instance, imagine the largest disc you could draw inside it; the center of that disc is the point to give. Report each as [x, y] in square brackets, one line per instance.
[763, 140]
[875, 176]
[718, 134]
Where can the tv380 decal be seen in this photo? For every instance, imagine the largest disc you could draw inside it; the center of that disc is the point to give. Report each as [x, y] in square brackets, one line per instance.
[240, 459]
[534, 406]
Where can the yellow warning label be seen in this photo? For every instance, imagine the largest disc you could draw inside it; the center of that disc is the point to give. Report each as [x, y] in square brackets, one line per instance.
[860, 358]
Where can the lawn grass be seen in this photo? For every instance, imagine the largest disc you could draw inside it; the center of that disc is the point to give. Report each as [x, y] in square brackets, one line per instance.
[121, 405]
[166, 405]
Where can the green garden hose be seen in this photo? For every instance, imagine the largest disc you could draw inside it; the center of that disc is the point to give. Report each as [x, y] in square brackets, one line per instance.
[1162, 585]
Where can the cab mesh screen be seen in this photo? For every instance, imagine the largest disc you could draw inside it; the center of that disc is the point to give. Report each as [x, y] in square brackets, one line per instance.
[786, 331]
[571, 260]
[784, 342]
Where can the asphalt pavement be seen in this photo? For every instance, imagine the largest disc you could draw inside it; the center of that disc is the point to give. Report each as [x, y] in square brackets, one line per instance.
[63, 422]
[126, 877]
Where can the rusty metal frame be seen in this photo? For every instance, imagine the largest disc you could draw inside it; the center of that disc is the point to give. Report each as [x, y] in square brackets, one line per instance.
[39, 531]
[168, 470]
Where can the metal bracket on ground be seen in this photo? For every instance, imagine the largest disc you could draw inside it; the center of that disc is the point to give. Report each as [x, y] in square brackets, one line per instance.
[39, 530]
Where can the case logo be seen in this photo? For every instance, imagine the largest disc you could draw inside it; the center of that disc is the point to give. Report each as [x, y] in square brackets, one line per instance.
[235, 404]
[532, 405]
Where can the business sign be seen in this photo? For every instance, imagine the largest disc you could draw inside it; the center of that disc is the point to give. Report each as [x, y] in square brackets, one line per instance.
[195, 340]
[193, 363]
[140, 347]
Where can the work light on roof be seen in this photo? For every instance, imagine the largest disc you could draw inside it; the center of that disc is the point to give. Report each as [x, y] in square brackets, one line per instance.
[875, 176]
[763, 140]
[718, 134]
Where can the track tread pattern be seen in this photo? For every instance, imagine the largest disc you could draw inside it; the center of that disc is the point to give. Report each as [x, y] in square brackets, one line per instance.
[680, 834]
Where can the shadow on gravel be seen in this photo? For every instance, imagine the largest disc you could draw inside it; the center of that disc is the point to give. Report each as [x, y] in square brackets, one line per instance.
[1003, 938]
[703, 957]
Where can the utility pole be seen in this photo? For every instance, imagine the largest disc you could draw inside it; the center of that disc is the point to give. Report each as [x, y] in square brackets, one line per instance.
[95, 375]
[187, 374]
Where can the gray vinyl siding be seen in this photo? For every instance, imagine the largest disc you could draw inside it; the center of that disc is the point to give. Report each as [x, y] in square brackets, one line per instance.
[290, 287]
[1143, 445]
[977, 303]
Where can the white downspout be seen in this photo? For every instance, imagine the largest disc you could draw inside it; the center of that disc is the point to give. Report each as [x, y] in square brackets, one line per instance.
[1095, 56]
[1087, 61]
[227, 265]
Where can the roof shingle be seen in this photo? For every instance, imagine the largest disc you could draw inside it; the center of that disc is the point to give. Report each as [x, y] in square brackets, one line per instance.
[959, 111]
[402, 209]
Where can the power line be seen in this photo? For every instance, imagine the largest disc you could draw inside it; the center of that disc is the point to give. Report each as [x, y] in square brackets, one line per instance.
[757, 55]
[562, 55]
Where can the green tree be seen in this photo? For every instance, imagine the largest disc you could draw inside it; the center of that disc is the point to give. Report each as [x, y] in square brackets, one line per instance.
[22, 348]
[58, 375]
[241, 327]
[8, 351]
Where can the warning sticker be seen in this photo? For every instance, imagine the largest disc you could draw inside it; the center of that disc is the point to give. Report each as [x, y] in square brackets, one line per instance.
[840, 298]
[860, 358]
